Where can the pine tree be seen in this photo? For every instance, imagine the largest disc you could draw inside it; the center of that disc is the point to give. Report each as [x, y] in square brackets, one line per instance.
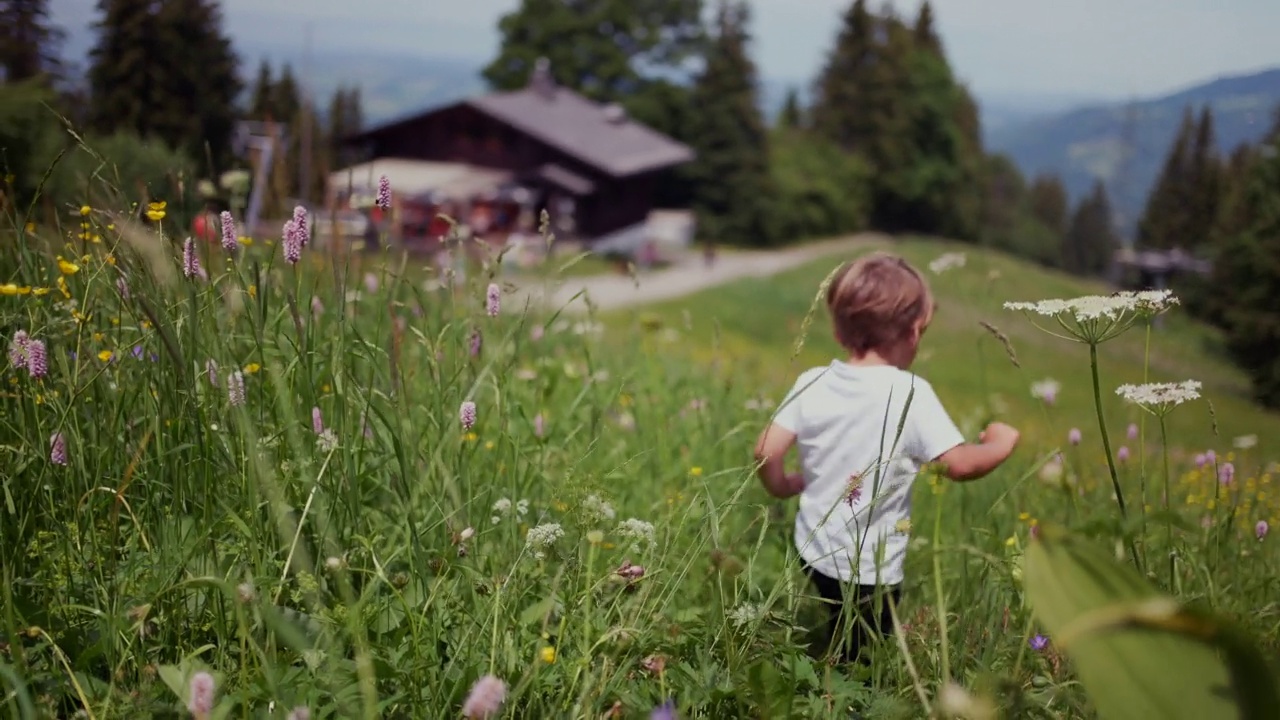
[1247, 275]
[1048, 198]
[1090, 242]
[731, 173]
[791, 116]
[345, 119]
[260, 102]
[926, 37]
[29, 42]
[1205, 182]
[841, 109]
[1166, 215]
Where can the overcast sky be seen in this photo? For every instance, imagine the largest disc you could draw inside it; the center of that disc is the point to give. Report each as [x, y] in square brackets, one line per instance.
[1086, 48]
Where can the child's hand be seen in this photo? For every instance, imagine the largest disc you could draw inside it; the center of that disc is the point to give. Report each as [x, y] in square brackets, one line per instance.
[1000, 435]
[795, 483]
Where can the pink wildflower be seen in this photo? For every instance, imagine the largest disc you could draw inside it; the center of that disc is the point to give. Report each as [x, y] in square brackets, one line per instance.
[1261, 529]
[1123, 454]
[467, 414]
[37, 359]
[58, 449]
[476, 343]
[1226, 474]
[200, 697]
[211, 370]
[539, 425]
[1074, 437]
[493, 300]
[301, 227]
[317, 421]
[190, 260]
[228, 231]
[235, 389]
[18, 349]
[485, 699]
[384, 193]
[1133, 431]
[291, 239]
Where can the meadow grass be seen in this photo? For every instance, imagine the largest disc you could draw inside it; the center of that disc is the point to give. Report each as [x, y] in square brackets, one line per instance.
[341, 540]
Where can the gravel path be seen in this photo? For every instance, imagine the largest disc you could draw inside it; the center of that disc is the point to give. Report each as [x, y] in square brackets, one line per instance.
[690, 275]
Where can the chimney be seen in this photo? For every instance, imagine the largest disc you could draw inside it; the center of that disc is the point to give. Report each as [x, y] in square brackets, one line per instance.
[540, 80]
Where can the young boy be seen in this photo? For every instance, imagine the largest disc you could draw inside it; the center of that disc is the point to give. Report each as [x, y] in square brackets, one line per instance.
[863, 427]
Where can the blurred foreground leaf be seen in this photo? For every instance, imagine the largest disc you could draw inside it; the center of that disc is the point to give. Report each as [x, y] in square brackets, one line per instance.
[1139, 653]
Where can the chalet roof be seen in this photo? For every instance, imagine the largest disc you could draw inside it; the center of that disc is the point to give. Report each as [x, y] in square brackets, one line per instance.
[601, 136]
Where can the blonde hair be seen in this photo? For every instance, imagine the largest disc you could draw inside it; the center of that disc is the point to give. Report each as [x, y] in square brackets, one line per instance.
[876, 302]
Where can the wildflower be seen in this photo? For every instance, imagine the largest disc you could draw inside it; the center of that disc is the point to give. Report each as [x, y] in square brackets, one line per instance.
[384, 193]
[695, 471]
[467, 414]
[211, 370]
[1046, 390]
[536, 333]
[190, 261]
[947, 261]
[1074, 436]
[37, 359]
[476, 343]
[317, 421]
[317, 307]
[493, 300]
[301, 226]
[18, 349]
[665, 711]
[1160, 398]
[235, 389]
[228, 231]
[539, 425]
[1133, 431]
[302, 712]
[1096, 318]
[85, 210]
[371, 282]
[597, 509]
[903, 525]
[245, 593]
[747, 613]
[1226, 473]
[66, 267]
[106, 355]
[853, 490]
[1039, 642]
[547, 654]
[57, 449]
[1245, 442]
[501, 508]
[328, 441]
[629, 571]
[485, 699]
[1123, 454]
[541, 538]
[252, 368]
[155, 211]
[291, 240]
[200, 697]
[1211, 457]
[334, 564]
[1201, 460]
[122, 287]
[137, 352]
[522, 507]
[639, 532]
[466, 534]
[1261, 529]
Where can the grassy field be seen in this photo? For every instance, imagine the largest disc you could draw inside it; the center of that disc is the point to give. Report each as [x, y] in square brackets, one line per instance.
[308, 487]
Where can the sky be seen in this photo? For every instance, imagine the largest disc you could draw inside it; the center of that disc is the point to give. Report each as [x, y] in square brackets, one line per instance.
[1095, 49]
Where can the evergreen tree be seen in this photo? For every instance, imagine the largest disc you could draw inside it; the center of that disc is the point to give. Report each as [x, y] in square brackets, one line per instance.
[731, 173]
[1205, 181]
[166, 70]
[1048, 200]
[345, 119]
[791, 116]
[1247, 275]
[260, 95]
[608, 50]
[1090, 242]
[285, 99]
[29, 42]
[1166, 217]
[926, 38]
[842, 109]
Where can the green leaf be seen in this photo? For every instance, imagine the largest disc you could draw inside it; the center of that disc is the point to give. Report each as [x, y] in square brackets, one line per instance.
[175, 679]
[772, 691]
[1138, 653]
[537, 611]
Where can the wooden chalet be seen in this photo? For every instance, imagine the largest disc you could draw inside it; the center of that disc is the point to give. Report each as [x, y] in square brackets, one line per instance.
[494, 162]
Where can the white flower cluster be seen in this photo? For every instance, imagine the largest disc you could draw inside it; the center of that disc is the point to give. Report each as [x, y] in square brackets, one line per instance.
[747, 613]
[639, 532]
[1098, 307]
[327, 441]
[1046, 390]
[1245, 442]
[947, 261]
[1160, 397]
[597, 509]
[541, 538]
[502, 508]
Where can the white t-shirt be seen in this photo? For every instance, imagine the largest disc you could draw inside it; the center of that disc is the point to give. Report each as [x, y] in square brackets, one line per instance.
[846, 419]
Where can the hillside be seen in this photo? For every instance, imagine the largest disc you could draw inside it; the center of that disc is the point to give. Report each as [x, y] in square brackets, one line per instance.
[969, 367]
[1089, 143]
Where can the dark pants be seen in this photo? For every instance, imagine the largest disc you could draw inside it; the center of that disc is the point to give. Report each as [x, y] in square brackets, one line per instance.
[848, 636]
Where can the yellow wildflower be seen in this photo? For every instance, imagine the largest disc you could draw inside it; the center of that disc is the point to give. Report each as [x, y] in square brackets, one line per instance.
[547, 654]
[31, 227]
[252, 368]
[488, 445]
[1024, 516]
[8, 289]
[67, 267]
[470, 437]
[111, 259]
[97, 337]
[695, 471]
[106, 355]
[155, 211]
[903, 525]
[253, 291]
[246, 240]
[62, 285]
[1011, 541]
[85, 209]
[40, 291]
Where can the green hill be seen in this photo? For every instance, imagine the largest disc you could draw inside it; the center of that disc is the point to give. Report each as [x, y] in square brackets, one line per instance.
[753, 324]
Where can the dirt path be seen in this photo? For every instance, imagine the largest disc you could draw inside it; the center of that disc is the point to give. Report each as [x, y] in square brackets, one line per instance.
[690, 275]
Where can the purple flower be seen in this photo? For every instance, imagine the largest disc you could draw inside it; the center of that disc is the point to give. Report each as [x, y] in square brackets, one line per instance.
[1261, 529]
[301, 226]
[1226, 474]
[536, 333]
[1039, 642]
[539, 425]
[1123, 454]
[476, 343]
[371, 282]
[37, 359]
[1133, 431]
[211, 369]
[467, 414]
[384, 193]
[1201, 460]
[486, 697]
[235, 389]
[200, 697]
[291, 239]
[1211, 457]
[493, 300]
[57, 449]
[665, 711]
[317, 421]
[18, 349]
[228, 231]
[137, 352]
[190, 260]
[1074, 436]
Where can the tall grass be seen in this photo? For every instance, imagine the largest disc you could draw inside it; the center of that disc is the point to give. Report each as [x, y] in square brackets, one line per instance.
[341, 542]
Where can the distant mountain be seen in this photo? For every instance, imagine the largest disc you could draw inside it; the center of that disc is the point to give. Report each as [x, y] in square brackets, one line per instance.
[1124, 143]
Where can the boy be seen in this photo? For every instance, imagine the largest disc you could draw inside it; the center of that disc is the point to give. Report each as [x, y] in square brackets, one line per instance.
[863, 427]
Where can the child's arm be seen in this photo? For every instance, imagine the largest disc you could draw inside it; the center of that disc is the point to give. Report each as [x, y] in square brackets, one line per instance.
[771, 449]
[971, 462]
